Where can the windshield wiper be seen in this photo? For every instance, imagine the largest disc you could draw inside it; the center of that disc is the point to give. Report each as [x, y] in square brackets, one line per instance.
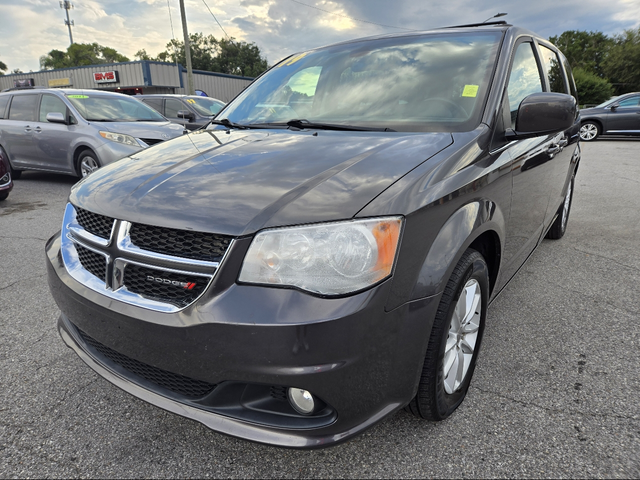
[227, 123]
[302, 123]
[100, 120]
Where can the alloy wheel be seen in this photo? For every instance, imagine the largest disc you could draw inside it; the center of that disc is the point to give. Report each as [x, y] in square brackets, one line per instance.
[462, 337]
[88, 165]
[588, 131]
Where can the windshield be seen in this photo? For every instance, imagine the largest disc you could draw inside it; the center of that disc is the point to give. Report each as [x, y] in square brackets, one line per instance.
[205, 106]
[434, 82]
[604, 104]
[103, 108]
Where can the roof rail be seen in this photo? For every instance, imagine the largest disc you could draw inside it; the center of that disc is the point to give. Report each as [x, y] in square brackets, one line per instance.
[23, 88]
[497, 22]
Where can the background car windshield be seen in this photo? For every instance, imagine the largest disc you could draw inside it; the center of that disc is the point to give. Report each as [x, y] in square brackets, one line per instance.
[434, 82]
[205, 106]
[97, 108]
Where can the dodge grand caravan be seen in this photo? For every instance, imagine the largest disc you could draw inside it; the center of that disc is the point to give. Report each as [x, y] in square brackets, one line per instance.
[325, 253]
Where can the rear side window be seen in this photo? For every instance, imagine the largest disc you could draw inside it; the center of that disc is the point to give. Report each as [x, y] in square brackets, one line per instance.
[173, 106]
[554, 70]
[23, 107]
[524, 79]
[51, 104]
[155, 103]
[3, 104]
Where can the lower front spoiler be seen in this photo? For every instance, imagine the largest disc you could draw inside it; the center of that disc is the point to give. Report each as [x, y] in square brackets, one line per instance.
[306, 439]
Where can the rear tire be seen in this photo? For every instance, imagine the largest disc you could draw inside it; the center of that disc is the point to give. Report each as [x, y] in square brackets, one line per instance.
[559, 226]
[455, 340]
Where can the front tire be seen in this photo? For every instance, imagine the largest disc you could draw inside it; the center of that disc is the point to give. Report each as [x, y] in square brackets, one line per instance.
[589, 131]
[3, 196]
[455, 340]
[87, 163]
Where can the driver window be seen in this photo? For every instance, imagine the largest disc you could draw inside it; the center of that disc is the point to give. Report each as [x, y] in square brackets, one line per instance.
[629, 102]
[524, 80]
[51, 104]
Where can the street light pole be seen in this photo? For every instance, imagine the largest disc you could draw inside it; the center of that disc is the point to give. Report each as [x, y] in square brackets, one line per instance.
[187, 50]
[67, 5]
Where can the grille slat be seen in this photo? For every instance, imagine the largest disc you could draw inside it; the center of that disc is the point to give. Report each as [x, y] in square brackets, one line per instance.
[93, 262]
[180, 243]
[98, 225]
[136, 280]
[185, 386]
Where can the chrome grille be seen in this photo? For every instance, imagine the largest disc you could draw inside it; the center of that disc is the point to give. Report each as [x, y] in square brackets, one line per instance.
[99, 225]
[185, 386]
[182, 243]
[93, 262]
[164, 270]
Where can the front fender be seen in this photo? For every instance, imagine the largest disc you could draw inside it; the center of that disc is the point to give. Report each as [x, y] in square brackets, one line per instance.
[456, 235]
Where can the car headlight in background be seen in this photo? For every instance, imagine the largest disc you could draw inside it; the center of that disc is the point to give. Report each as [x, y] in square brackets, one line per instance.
[329, 259]
[120, 138]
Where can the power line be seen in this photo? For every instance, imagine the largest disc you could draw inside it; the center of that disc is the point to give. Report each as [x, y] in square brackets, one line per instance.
[173, 37]
[214, 17]
[352, 18]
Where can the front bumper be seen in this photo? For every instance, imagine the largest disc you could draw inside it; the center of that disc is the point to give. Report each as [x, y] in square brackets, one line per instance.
[362, 362]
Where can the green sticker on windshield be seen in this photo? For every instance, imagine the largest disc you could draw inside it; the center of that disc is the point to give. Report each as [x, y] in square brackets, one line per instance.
[78, 96]
[470, 91]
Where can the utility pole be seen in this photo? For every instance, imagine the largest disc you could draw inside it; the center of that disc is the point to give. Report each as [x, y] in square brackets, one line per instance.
[187, 50]
[66, 4]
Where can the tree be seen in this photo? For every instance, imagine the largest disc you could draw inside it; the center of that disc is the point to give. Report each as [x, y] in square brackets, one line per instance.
[591, 88]
[622, 65]
[207, 53]
[3, 67]
[79, 54]
[585, 50]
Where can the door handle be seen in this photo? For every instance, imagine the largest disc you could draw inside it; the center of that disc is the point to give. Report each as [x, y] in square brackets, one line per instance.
[563, 143]
[27, 128]
[38, 130]
[553, 149]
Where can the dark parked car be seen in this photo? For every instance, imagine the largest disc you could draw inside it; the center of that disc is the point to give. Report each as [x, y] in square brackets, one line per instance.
[192, 111]
[6, 182]
[326, 253]
[76, 131]
[617, 116]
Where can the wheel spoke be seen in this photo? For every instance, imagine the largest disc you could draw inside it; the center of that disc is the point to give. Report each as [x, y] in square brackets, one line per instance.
[465, 347]
[449, 360]
[450, 377]
[460, 368]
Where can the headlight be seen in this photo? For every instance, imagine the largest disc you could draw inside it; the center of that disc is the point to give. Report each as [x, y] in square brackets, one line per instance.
[329, 258]
[120, 138]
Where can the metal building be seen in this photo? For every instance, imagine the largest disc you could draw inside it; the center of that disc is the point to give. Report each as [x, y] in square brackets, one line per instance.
[141, 77]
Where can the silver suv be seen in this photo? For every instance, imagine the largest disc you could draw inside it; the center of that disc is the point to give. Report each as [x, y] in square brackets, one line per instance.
[76, 131]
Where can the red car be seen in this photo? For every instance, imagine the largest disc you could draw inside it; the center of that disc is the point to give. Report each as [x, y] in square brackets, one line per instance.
[6, 184]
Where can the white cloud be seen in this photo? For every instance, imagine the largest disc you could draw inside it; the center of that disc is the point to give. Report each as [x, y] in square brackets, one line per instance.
[279, 27]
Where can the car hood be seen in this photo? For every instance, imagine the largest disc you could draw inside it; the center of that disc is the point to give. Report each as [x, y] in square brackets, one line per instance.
[240, 181]
[156, 130]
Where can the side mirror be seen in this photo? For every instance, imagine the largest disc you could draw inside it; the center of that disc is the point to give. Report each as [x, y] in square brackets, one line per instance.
[186, 114]
[542, 114]
[56, 117]
[614, 106]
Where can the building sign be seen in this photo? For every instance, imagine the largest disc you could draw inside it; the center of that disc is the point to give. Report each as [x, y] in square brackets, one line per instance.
[59, 82]
[25, 82]
[106, 77]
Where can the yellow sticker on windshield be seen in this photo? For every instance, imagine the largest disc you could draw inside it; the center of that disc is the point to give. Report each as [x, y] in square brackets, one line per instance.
[191, 100]
[470, 90]
[78, 96]
[294, 59]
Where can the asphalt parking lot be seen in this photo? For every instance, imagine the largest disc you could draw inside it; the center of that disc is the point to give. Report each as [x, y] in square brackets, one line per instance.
[556, 392]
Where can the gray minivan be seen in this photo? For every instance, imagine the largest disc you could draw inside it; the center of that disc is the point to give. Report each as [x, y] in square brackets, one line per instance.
[76, 131]
[192, 111]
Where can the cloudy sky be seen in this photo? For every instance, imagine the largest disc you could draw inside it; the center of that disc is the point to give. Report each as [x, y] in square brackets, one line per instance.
[31, 28]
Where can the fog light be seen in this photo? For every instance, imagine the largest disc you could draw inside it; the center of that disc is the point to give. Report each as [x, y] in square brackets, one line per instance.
[301, 400]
